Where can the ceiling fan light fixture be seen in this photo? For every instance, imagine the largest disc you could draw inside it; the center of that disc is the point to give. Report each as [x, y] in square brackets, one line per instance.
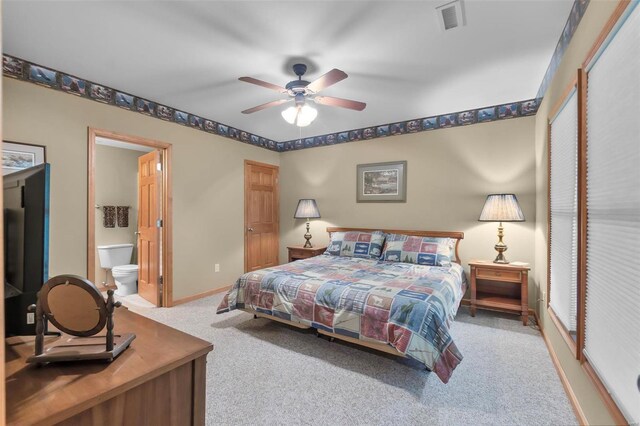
[306, 116]
[301, 116]
[290, 114]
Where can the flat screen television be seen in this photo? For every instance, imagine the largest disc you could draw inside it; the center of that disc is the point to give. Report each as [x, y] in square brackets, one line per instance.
[26, 244]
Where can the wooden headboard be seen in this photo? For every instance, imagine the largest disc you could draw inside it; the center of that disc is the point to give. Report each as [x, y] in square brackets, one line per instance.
[456, 235]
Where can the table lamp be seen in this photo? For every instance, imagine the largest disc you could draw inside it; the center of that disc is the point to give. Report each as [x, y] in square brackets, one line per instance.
[307, 209]
[501, 208]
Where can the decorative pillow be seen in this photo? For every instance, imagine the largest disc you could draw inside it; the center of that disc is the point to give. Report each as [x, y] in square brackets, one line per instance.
[356, 244]
[419, 250]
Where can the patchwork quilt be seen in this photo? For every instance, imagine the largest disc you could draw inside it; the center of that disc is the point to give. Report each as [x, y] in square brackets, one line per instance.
[407, 306]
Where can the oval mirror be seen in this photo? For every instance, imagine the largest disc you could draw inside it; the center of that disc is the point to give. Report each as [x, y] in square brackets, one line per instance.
[74, 305]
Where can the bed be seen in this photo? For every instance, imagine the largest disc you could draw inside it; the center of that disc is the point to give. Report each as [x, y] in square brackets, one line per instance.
[404, 309]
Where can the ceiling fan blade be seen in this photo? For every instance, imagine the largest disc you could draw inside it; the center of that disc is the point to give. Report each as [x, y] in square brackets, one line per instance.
[329, 79]
[339, 102]
[267, 105]
[263, 84]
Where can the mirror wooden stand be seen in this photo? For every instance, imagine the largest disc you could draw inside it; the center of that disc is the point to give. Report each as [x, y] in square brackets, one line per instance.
[76, 307]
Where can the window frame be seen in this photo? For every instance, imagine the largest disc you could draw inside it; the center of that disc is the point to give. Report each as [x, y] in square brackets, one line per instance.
[583, 79]
[574, 346]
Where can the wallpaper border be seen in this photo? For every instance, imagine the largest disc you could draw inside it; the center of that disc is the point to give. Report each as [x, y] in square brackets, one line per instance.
[575, 16]
[443, 121]
[24, 70]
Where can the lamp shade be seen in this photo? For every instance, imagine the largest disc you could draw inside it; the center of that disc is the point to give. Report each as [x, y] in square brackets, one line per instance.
[307, 209]
[501, 208]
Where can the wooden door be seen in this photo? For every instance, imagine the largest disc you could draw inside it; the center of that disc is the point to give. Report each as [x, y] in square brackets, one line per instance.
[149, 196]
[261, 216]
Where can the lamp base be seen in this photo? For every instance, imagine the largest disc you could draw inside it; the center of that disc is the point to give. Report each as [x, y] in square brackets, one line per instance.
[307, 237]
[500, 247]
[500, 258]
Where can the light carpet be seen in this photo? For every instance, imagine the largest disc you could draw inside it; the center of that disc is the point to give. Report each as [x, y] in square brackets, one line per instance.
[263, 372]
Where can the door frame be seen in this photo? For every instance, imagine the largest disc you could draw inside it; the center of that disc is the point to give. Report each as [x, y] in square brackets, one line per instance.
[167, 205]
[246, 207]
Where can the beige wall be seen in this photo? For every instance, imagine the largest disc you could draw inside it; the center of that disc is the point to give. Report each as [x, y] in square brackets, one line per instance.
[116, 184]
[593, 21]
[208, 182]
[450, 173]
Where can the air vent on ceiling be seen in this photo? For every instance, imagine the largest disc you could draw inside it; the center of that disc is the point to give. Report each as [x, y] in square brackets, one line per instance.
[451, 15]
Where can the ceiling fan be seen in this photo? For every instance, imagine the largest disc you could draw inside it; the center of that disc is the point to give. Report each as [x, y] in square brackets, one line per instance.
[300, 91]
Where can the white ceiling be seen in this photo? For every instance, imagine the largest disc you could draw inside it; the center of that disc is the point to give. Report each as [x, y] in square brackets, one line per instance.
[189, 54]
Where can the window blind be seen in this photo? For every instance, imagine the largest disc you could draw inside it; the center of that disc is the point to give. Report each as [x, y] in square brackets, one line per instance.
[564, 213]
[612, 329]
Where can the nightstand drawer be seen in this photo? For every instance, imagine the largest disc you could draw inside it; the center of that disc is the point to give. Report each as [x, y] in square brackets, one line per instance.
[299, 252]
[498, 275]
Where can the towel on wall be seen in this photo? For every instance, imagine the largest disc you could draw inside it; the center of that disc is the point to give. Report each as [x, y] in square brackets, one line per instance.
[123, 216]
[109, 216]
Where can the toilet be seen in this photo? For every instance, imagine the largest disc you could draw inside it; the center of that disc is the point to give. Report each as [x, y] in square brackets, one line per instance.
[117, 258]
[126, 278]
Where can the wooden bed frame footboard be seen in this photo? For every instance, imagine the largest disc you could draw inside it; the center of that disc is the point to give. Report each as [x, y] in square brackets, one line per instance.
[371, 345]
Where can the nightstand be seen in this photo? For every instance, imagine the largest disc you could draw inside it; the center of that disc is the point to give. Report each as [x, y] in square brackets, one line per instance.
[499, 286]
[300, 252]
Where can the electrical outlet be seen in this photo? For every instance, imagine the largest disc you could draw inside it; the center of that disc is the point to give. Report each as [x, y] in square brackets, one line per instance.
[31, 318]
[216, 268]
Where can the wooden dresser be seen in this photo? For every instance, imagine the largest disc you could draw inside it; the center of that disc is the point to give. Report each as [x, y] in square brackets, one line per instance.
[159, 380]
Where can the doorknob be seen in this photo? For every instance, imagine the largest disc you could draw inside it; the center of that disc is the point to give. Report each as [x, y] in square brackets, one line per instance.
[136, 233]
[250, 229]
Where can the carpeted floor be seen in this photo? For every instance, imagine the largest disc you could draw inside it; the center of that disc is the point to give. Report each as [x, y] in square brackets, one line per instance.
[262, 372]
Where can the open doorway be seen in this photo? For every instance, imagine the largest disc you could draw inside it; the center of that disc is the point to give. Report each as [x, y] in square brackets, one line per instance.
[129, 217]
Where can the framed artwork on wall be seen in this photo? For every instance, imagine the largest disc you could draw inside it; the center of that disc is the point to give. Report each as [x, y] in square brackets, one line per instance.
[18, 156]
[382, 182]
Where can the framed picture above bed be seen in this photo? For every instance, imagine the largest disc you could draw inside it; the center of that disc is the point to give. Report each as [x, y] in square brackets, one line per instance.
[382, 182]
[19, 156]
